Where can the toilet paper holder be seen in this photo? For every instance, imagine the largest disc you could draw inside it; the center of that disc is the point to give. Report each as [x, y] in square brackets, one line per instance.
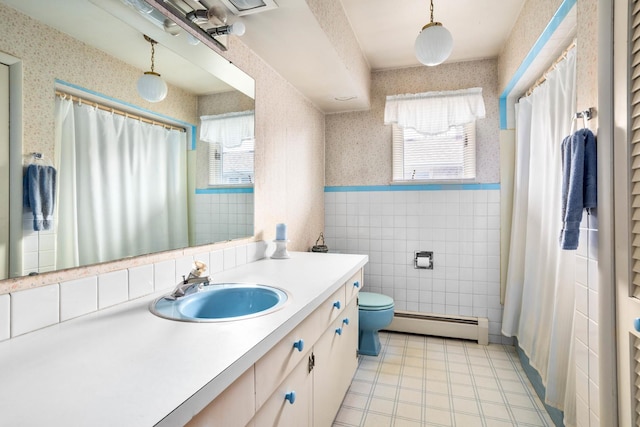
[423, 259]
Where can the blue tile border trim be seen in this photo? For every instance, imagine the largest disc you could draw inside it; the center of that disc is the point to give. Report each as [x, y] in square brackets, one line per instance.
[552, 26]
[412, 187]
[226, 190]
[134, 107]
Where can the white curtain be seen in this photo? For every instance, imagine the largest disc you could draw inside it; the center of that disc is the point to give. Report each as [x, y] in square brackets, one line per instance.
[228, 129]
[122, 186]
[433, 113]
[539, 300]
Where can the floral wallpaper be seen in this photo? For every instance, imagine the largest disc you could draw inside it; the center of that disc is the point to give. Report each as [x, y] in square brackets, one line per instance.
[54, 55]
[531, 22]
[359, 144]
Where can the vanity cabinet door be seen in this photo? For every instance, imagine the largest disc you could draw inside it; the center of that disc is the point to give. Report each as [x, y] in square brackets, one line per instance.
[234, 407]
[353, 286]
[274, 366]
[291, 403]
[336, 361]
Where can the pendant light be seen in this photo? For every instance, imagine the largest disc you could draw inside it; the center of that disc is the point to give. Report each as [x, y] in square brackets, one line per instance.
[434, 43]
[151, 87]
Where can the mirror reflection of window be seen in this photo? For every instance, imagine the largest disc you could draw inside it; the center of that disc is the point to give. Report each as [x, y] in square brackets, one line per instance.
[231, 165]
[231, 147]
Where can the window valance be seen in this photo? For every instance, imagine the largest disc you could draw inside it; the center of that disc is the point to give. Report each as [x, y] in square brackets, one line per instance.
[227, 129]
[434, 112]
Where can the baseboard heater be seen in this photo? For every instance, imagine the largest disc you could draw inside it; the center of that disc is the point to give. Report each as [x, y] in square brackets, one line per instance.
[469, 328]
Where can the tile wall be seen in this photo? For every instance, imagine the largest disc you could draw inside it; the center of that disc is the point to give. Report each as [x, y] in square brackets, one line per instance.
[221, 217]
[38, 248]
[28, 310]
[461, 227]
[586, 325]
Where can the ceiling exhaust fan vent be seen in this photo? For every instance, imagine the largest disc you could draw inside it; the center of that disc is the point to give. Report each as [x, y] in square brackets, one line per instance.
[247, 7]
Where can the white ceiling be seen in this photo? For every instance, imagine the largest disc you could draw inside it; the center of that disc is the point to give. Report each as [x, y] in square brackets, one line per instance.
[291, 39]
[387, 34]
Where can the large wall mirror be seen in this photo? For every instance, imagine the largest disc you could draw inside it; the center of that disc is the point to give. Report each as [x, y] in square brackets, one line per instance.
[211, 100]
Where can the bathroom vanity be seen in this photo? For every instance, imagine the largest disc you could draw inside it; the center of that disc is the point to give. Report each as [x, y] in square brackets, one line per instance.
[125, 366]
[303, 378]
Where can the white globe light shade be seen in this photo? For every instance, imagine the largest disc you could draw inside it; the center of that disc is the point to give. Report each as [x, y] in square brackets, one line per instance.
[151, 87]
[433, 45]
[237, 29]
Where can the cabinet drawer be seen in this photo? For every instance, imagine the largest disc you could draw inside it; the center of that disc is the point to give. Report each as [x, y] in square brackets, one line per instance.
[353, 286]
[234, 407]
[278, 411]
[330, 309]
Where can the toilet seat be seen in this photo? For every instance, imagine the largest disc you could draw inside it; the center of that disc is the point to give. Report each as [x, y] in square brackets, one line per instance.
[369, 301]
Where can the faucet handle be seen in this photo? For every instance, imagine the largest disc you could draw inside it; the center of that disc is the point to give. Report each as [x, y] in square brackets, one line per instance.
[199, 268]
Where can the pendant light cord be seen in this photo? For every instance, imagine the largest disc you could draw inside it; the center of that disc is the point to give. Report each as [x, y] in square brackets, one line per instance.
[153, 51]
[431, 11]
[153, 54]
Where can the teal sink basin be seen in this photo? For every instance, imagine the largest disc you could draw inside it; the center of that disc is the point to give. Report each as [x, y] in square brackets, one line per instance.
[220, 302]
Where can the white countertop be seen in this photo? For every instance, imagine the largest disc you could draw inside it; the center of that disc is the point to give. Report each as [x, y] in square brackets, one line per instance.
[124, 366]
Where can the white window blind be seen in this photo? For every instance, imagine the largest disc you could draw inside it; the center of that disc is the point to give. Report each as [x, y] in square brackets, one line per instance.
[448, 155]
[231, 165]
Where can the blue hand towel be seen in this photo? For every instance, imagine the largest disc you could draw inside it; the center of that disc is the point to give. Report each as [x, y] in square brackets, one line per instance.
[579, 183]
[39, 191]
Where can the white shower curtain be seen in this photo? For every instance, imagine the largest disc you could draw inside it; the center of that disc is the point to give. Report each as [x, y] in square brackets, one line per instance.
[539, 300]
[122, 186]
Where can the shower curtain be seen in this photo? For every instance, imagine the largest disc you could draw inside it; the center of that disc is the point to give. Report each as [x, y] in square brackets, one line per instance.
[539, 299]
[122, 186]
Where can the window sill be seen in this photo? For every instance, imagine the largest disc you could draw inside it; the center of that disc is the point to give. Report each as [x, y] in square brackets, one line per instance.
[213, 187]
[434, 181]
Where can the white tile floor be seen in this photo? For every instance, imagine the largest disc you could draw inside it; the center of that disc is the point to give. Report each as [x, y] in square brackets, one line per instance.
[426, 381]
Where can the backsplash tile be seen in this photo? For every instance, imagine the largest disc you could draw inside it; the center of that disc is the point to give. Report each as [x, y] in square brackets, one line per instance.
[141, 281]
[33, 309]
[164, 274]
[229, 258]
[216, 259]
[113, 288]
[78, 297]
[241, 255]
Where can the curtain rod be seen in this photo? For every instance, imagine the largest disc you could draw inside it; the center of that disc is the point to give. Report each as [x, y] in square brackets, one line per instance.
[94, 104]
[543, 78]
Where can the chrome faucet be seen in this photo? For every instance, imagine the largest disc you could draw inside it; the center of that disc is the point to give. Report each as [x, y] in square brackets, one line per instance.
[190, 284]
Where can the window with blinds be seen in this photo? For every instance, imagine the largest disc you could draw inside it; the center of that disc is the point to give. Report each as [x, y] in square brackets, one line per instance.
[634, 134]
[231, 165]
[443, 156]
